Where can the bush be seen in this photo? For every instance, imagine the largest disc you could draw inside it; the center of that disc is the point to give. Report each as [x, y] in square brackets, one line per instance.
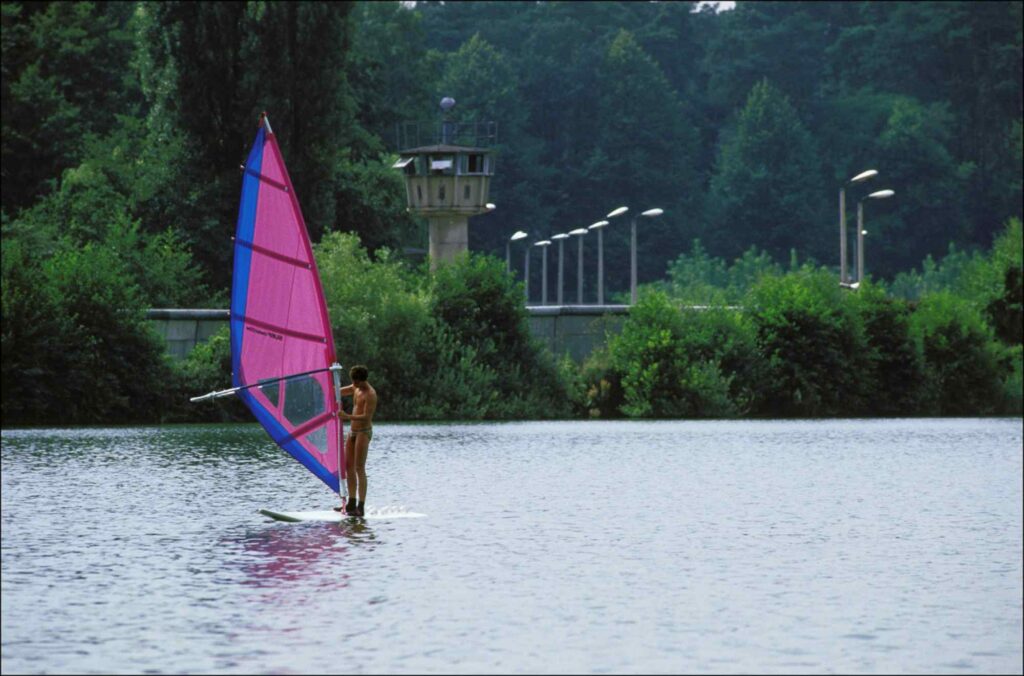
[675, 365]
[595, 388]
[1013, 386]
[481, 305]
[965, 365]
[119, 366]
[452, 345]
[76, 347]
[894, 382]
[381, 318]
[813, 343]
[206, 369]
[35, 351]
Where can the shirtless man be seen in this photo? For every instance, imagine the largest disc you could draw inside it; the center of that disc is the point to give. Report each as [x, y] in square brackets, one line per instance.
[364, 403]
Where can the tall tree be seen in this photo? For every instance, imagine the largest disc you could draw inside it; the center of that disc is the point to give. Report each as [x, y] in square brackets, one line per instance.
[767, 186]
[966, 55]
[928, 211]
[229, 62]
[64, 77]
[644, 155]
[484, 84]
[390, 71]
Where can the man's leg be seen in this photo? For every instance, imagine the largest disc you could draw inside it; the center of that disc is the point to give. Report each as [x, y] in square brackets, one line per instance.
[350, 472]
[362, 445]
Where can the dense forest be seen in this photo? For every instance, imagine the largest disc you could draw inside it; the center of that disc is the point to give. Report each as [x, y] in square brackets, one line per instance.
[123, 125]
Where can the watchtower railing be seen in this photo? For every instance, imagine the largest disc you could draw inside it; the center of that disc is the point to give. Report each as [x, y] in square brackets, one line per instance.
[418, 134]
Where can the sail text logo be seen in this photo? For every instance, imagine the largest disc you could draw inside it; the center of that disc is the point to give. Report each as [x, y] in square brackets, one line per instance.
[269, 334]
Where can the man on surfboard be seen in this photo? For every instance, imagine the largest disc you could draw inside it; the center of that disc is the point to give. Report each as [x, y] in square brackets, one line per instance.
[364, 403]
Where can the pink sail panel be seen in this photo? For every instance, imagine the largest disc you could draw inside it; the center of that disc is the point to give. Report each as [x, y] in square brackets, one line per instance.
[280, 330]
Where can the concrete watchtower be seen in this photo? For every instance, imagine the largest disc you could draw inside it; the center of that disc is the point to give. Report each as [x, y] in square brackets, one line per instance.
[448, 180]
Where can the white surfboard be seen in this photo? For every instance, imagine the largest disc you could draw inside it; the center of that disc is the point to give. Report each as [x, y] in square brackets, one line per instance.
[338, 517]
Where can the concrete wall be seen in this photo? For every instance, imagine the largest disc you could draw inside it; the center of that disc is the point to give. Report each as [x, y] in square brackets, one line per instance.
[573, 329]
[184, 329]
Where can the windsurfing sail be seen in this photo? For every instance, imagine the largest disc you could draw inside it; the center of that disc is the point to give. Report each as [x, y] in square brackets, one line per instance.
[282, 349]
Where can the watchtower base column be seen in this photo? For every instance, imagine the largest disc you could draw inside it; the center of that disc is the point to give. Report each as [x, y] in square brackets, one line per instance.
[449, 237]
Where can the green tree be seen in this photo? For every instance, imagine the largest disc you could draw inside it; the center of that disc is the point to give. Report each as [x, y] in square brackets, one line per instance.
[477, 304]
[965, 365]
[77, 348]
[484, 82]
[927, 180]
[34, 331]
[767, 186]
[894, 383]
[64, 77]
[380, 318]
[1005, 309]
[227, 63]
[780, 41]
[390, 71]
[814, 345]
[700, 365]
[644, 154]
[957, 54]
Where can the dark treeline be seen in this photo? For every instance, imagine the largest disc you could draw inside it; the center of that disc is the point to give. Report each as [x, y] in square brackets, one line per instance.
[123, 124]
[741, 124]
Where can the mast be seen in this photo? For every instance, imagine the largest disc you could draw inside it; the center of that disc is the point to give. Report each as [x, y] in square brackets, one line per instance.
[342, 485]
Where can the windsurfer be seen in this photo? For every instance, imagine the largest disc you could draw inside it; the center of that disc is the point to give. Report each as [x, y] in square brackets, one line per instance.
[364, 404]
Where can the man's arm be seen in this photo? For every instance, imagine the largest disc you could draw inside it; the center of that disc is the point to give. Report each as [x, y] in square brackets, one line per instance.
[347, 391]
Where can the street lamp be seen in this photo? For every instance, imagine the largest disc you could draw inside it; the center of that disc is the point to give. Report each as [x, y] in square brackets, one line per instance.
[579, 232]
[545, 243]
[862, 176]
[617, 212]
[878, 195]
[600, 259]
[519, 234]
[526, 273]
[561, 237]
[650, 213]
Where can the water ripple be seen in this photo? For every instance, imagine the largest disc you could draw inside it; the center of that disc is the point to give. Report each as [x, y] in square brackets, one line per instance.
[550, 547]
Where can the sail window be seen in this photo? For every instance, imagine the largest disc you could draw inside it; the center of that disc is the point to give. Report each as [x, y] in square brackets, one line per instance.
[318, 438]
[270, 389]
[304, 399]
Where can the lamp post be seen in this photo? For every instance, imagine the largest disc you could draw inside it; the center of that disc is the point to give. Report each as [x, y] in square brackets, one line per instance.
[650, 213]
[519, 234]
[561, 237]
[878, 195]
[862, 176]
[600, 259]
[544, 244]
[526, 273]
[579, 232]
[617, 212]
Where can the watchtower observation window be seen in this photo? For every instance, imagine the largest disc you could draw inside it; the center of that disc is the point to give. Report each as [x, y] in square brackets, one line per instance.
[474, 163]
[441, 165]
[407, 165]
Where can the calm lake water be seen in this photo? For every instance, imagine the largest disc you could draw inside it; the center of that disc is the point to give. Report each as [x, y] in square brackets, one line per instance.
[768, 547]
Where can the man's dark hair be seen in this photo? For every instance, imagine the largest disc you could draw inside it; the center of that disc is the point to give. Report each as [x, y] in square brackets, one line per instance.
[358, 373]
